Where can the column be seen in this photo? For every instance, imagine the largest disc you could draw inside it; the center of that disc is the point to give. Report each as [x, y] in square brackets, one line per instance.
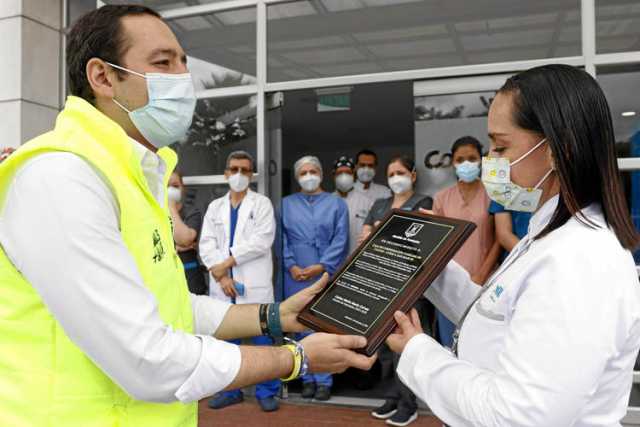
[30, 46]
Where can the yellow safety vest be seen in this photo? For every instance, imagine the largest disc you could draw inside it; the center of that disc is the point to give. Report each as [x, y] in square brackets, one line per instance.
[45, 379]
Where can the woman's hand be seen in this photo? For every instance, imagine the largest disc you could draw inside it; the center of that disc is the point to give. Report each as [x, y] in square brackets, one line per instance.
[364, 235]
[292, 306]
[297, 274]
[335, 353]
[426, 211]
[312, 271]
[408, 327]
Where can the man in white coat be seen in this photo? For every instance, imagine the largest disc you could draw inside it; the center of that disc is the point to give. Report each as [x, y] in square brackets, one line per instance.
[235, 245]
[358, 204]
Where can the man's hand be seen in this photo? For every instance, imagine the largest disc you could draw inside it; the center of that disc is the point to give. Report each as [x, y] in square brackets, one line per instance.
[335, 353]
[220, 270]
[312, 271]
[408, 327]
[227, 285]
[426, 211]
[293, 305]
[296, 273]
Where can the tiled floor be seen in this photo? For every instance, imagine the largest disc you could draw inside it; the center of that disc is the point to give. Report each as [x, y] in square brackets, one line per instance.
[248, 414]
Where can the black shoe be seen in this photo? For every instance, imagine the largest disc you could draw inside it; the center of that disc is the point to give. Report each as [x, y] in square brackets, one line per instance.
[268, 404]
[387, 410]
[222, 401]
[323, 393]
[308, 390]
[402, 418]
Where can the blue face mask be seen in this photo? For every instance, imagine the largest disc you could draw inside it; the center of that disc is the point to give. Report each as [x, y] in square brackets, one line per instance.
[167, 116]
[468, 171]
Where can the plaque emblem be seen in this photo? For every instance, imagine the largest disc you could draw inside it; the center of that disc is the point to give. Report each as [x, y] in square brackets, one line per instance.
[413, 229]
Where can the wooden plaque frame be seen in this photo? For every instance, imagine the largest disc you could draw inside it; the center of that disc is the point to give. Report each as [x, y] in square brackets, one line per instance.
[413, 289]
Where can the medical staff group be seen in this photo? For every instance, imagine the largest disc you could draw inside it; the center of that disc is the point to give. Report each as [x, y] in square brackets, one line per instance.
[107, 319]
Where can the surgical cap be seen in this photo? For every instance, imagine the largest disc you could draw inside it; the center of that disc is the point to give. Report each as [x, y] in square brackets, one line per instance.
[313, 160]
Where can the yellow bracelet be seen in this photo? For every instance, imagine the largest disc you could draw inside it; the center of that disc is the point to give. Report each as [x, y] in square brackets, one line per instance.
[297, 363]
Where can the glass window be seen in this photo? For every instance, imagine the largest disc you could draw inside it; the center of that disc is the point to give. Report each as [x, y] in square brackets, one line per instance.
[201, 196]
[221, 47]
[617, 26]
[439, 121]
[77, 8]
[618, 83]
[311, 39]
[220, 126]
[379, 117]
[161, 5]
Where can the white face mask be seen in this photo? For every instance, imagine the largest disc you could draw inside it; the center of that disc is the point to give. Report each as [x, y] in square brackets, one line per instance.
[309, 182]
[400, 183]
[174, 194]
[496, 177]
[344, 182]
[238, 182]
[167, 116]
[365, 174]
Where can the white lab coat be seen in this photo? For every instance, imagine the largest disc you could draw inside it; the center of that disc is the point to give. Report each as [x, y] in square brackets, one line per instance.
[551, 342]
[359, 206]
[251, 249]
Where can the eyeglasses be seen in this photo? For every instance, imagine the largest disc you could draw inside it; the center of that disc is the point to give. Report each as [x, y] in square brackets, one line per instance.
[235, 169]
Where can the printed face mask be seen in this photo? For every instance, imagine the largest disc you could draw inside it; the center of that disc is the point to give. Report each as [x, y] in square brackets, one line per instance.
[496, 177]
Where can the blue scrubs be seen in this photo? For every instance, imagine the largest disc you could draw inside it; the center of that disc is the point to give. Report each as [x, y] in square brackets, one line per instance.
[315, 230]
[268, 388]
[519, 220]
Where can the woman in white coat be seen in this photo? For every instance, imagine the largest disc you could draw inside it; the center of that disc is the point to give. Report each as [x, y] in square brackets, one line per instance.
[552, 337]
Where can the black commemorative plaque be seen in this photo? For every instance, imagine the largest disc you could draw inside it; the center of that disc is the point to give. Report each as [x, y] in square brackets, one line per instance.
[386, 273]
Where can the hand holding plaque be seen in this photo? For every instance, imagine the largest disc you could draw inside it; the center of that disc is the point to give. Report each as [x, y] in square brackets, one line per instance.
[389, 271]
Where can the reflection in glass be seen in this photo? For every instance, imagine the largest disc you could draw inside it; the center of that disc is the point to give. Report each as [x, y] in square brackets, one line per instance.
[310, 39]
[439, 120]
[617, 26]
[201, 195]
[454, 106]
[161, 5]
[618, 84]
[219, 127]
[221, 47]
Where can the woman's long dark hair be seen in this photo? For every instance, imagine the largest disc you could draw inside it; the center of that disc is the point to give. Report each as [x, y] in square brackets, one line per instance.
[567, 106]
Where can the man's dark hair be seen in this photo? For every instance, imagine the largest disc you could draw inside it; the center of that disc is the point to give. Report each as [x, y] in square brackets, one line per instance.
[98, 34]
[240, 155]
[366, 152]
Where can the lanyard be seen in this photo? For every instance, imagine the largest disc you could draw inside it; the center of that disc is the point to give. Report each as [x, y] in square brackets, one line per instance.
[521, 249]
